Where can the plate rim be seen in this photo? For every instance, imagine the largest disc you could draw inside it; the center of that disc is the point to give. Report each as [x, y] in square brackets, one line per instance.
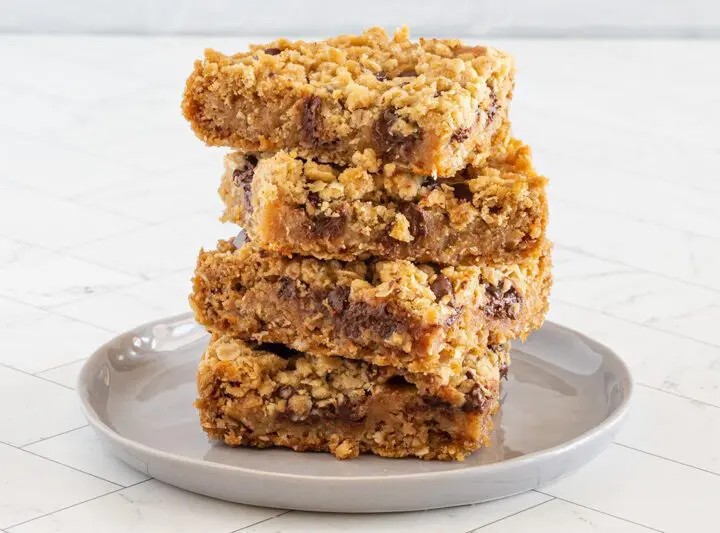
[608, 425]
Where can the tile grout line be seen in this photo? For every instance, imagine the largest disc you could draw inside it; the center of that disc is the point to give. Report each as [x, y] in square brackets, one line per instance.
[77, 149]
[601, 512]
[76, 504]
[72, 467]
[636, 176]
[60, 252]
[57, 367]
[145, 226]
[580, 251]
[24, 446]
[688, 398]
[41, 378]
[657, 225]
[51, 310]
[56, 197]
[261, 521]
[640, 324]
[667, 459]
[550, 498]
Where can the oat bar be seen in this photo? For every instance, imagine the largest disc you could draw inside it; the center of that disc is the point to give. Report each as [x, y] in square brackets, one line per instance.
[391, 313]
[269, 395]
[496, 212]
[432, 107]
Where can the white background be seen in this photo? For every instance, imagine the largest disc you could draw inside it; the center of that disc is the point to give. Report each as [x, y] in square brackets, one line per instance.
[319, 17]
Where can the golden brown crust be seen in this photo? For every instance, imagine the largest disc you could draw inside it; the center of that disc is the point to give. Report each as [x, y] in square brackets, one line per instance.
[270, 396]
[391, 313]
[494, 213]
[432, 106]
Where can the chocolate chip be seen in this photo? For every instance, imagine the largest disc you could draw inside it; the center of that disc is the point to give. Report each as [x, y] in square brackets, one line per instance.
[462, 192]
[504, 371]
[434, 401]
[492, 108]
[313, 199]
[311, 121]
[475, 400]
[380, 76]
[430, 182]
[287, 288]
[372, 372]
[342, 409]
[278, 349]
[395, 146]
[338, 299]
[407, 73]
[397, 381]
[500, 304]
[441, 286]
[416, 218]
[326, 412]
[354, 413]
[243, 177]
[329, 226]
[285, 392]
[460, 135]
[272, 51]
[497, 348]
[359, 317]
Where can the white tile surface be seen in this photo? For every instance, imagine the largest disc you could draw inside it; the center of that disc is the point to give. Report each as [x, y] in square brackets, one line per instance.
[156, 197]
[126, 308]
[71, 340]
[13, 251]
[558, 516]
[645, 489]
[35, 409]
[66, 375]
[70, 279]
[150, 507]
[621, 291]
[661, 360]
[82, 450]
[677, 428]
[636, 243]
[158, 250]
[104, 208]
[57, 171]
[31, 486]
[55, 223]
[455, 519]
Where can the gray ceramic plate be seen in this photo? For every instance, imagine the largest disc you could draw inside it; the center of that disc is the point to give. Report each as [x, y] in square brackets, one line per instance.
[562, 404]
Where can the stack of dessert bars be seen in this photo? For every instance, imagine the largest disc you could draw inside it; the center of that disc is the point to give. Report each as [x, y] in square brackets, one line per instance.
[393, 245]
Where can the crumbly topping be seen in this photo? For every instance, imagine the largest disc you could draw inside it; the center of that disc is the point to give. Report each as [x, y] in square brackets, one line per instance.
[302, 384]
[433, 105]
[503, 192]
[372, 69]
[403, 284]
[401, 229]
[391, 313]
